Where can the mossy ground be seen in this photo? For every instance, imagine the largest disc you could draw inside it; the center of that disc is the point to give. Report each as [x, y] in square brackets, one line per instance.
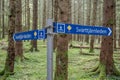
[34, 68]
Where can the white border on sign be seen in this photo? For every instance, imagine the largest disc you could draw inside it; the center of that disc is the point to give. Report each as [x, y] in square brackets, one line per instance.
[60, 24]
[43, 34]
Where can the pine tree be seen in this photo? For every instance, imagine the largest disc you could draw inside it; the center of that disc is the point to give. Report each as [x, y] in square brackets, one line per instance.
[61, 72]
[35, 21]
[9, 65]
[19, 44]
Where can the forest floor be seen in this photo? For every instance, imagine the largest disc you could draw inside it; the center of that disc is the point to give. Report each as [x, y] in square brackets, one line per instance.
[34, 68]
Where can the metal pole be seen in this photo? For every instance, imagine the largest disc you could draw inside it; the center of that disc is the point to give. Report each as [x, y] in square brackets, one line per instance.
[49, 49]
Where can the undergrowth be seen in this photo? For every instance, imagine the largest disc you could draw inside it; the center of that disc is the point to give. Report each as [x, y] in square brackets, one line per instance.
[34, 68]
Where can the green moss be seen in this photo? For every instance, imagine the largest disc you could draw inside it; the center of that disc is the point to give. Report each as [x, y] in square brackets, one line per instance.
[60, 77]
[91, 51]
[99, 68]
[34, 67]
[6, 74]
[2, 72]
[116, 72]
[102, 75]
[95, 67]
[4, 77]
[18, 59]
[95, 72]
[61, 72]
[111, 21]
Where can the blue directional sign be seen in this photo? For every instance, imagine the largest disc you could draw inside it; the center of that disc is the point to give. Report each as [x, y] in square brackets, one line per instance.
[30, 35]
[42, 34]
[81, 29]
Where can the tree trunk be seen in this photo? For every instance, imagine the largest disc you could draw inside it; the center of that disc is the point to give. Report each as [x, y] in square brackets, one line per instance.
[0, 21]
[35, 20]
[106, 53]
[9, 65]
[100, 11]
[88, 19]
[3, 27]
[119, 26]
[74, 4]
[114, 29]
[11, 50]
[28, 15]
[83, 12]
[93, 24]
[55, 19]
[19, 44]
[44, 14]
[119, 40]
[70, 20]
[119, 34]
[25, 15]
[106, 66]
[62, 43]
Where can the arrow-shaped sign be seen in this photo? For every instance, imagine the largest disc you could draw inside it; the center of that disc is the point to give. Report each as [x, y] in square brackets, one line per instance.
[110, 32]
[81, 29]
[30, 35]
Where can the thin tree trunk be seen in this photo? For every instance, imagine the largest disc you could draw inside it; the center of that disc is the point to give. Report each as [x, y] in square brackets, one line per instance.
[119, 23]
[99, 18]
[11, 50]
[55, 19]
[19, 45]
[28, 15]
[70, 20]
[35, 21]
[88, 19]
[9, 64]
[3, 28]
[119, 34]
[44, 14]
[79, 17]
[74, 36]
[83, 10]
[0, 21]
[119, 40]
[114, 30]
[93, 23]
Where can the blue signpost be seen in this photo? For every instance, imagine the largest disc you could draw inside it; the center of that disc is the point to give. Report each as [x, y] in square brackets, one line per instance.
[42, 34]
[30, 35]
[59, 28]
[80, 29]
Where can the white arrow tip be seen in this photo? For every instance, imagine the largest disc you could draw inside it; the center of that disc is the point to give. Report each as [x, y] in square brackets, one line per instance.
[14, 37]
[110, 32]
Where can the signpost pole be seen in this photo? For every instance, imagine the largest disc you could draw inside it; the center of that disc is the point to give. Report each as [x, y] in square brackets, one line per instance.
[50, 49]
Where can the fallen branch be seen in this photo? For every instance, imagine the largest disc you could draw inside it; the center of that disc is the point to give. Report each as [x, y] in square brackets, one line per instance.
[85, 47]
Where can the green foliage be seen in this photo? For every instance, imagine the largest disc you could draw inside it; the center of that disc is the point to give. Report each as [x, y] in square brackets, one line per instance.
[111, 21]
[102, 75]
[34, 68]
[91, 51]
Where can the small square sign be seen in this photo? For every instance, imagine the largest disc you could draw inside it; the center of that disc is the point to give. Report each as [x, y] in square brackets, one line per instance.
[41, 34]
[60, 28]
